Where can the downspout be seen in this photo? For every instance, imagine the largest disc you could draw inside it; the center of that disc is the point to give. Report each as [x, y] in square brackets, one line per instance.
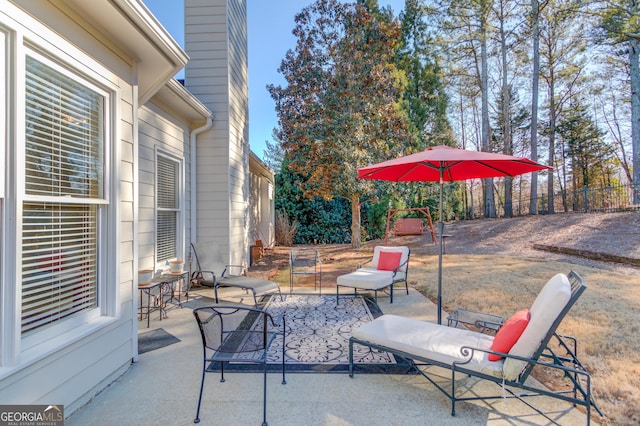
[194, 187]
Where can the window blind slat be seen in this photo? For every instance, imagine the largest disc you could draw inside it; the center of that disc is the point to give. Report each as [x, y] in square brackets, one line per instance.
[167, 178]
[64, 135]
[167, 188]
[59, 265]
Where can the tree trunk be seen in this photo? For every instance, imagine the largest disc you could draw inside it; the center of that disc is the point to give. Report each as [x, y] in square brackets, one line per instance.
[506, 116]
[552, 141]
[634, 71]
[563, 184]
[489, 201]
[355, 221]
[533, 203]
[468, 192]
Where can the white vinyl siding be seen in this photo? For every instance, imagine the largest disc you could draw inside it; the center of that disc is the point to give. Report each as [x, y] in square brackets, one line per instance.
[164, 199]
[239, 130]
[207, 77]
[217, 74]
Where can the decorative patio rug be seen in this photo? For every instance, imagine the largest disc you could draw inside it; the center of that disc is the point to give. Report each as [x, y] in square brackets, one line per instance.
[155, 339]
[318, 333]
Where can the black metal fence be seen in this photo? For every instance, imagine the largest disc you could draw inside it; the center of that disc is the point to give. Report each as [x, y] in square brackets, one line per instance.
[603, 199]
[583, 200]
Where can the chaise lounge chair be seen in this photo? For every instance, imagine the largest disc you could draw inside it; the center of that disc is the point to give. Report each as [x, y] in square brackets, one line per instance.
[468, 352]
[388, 266]
[208, 260]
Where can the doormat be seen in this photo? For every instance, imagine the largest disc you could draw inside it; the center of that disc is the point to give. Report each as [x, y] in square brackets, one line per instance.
[155, 339]
[317, 338]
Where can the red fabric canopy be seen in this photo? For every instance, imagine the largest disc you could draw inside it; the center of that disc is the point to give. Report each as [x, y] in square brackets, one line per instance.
[445, 164]
[451, 164]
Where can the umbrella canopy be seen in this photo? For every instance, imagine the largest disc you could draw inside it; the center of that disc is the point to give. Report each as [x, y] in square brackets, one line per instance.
[446, 164]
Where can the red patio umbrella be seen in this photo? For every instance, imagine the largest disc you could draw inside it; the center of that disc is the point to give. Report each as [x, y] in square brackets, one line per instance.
[443, 163]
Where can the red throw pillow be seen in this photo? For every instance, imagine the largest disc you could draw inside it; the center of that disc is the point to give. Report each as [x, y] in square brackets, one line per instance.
[509, 333]
[389, 260]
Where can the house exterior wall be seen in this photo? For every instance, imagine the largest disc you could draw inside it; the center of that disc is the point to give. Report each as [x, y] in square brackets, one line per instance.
[239, 125]
[215, 39]
[119, 49]
[71, 366]
[161, 133]
[262, 215]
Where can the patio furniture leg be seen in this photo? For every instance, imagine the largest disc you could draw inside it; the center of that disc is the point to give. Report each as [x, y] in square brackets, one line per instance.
[350, 358]
[284, 344]
[197, 419]
[264, 393]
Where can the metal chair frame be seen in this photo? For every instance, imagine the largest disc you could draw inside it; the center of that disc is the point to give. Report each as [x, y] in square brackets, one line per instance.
[227, 333]
[568, 365]
[305, 261]
[228, 279]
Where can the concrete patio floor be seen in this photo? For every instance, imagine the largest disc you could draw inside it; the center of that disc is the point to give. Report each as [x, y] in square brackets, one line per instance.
[162, 389]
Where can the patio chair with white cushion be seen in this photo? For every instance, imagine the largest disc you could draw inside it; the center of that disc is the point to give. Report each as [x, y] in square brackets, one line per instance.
[506, 359]
[388, 266]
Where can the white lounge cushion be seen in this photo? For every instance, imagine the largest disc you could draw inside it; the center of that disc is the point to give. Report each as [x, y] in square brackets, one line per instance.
[257, 285]
[398, 277]
[366, 278]
[545, 309]
[430, 341]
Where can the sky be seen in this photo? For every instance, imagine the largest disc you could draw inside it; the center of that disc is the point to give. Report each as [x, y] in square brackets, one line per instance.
[269, 23]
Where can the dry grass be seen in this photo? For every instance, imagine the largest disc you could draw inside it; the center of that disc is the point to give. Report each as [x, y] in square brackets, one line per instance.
[604, 320]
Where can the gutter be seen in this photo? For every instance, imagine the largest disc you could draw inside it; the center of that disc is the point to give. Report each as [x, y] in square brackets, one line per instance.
[194, 187]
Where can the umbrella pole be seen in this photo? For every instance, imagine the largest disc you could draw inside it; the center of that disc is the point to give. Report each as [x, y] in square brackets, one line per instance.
[440, 232]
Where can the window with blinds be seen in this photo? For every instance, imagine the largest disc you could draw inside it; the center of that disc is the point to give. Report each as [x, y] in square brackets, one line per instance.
[63, 197]
[168, 208]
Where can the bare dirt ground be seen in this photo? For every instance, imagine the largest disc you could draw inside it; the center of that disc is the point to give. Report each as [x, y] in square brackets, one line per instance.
[615, 234]
[492, 266]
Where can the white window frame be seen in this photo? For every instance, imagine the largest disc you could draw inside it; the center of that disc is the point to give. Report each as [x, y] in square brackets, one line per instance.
[5, 104]
[179, 209]
[102, 206]
[30, 37]
[6, 339]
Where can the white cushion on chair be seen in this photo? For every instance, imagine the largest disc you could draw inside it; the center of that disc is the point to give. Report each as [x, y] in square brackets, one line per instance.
[430, 341]
[545, 309]
[372, 278]
[398, 277]
[257, 285]
[366, 278]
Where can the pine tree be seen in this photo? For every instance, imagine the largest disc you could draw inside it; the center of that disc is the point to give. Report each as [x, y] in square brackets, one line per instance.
[589, 154]
[620, 26]
[424, 97]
